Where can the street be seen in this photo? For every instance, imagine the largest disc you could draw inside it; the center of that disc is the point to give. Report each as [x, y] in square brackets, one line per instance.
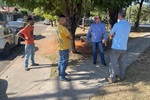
[15, 51]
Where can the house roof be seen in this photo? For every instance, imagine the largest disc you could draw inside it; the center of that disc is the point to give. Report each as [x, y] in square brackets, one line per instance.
[8, 9]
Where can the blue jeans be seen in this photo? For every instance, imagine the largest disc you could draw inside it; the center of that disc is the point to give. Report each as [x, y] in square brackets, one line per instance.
[98, 45]
[63, 62]
[29, 51]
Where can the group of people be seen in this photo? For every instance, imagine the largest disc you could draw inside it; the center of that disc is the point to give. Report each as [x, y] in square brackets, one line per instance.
[120, 34]
[97, 32]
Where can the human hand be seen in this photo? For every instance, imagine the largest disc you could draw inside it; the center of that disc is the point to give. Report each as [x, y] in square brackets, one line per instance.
[104, 42]
[111, 36]
[26, 38]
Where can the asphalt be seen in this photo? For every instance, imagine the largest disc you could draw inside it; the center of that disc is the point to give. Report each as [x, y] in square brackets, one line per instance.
[36, 84]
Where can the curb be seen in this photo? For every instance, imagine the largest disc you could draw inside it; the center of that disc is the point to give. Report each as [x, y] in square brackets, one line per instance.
[8, 66]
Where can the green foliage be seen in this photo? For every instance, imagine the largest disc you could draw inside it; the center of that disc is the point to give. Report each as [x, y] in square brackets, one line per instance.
[98, 11]
[38, 18]
[50, 17]
[1, 3]
[145, 13]
[56, 7]
[38, 11]
[1, 17]
[23, 11]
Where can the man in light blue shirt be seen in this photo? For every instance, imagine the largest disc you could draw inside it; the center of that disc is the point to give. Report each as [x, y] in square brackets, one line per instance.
[120, 33]
[98, 35]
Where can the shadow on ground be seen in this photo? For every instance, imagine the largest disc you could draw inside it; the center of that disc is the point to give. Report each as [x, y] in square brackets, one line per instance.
[3, 88]
[39, 37]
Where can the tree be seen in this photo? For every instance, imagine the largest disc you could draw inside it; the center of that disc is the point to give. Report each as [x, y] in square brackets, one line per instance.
[144, 16]
[140, 2]
[112, 8]
[38, 11]
[50, 17]
[73, 9]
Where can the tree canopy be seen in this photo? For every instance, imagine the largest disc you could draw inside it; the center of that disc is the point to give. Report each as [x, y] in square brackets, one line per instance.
[74, 9]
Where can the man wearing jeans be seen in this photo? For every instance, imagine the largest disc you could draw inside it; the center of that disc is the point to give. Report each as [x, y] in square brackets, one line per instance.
[27, 34]
[64, 37]
[120, 33]
[97, 32]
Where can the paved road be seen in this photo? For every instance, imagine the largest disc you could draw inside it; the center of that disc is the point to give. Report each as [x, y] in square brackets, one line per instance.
[4, 61]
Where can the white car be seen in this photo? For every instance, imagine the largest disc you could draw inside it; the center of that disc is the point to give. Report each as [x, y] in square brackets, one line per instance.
[20, 20]
[8, 39]
[46, 22]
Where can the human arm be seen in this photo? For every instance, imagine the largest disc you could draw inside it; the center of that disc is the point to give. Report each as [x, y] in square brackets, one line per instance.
[70, 36]
[105, 35]
[112, 32]
[21, 33]
[21, 36]
[88, 34]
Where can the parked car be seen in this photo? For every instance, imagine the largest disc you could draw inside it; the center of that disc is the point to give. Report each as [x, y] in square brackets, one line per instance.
[46, 22]
[16, 26]
[20, 20]
[8, 39]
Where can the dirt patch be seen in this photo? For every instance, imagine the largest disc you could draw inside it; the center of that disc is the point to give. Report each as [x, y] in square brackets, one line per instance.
[136, 85]
[46, 46]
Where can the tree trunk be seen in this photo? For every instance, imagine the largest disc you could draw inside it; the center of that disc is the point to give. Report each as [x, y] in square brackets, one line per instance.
[51, 23]
[72, 11]
[138, 14]
[113, 15]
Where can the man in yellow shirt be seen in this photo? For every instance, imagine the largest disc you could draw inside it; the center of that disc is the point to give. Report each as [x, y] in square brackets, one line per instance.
[64, 38]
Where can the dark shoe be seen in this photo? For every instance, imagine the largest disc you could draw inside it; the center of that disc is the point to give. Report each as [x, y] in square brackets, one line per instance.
[117, 77]
[106, 79]
[94, 63]
[65, 79]
[27, 69]
[35, 64]
[104, 64]
[66, 74]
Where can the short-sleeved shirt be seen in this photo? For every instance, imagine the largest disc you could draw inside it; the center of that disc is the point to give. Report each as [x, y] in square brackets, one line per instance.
[122, 31]
[62, 35]
[28, 33]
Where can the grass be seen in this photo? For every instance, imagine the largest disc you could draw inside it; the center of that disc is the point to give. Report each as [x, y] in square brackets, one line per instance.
[54, 58]
[136, 85]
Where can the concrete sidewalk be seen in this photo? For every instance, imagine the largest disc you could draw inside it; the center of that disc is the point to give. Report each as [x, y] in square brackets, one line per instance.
[86, 77]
